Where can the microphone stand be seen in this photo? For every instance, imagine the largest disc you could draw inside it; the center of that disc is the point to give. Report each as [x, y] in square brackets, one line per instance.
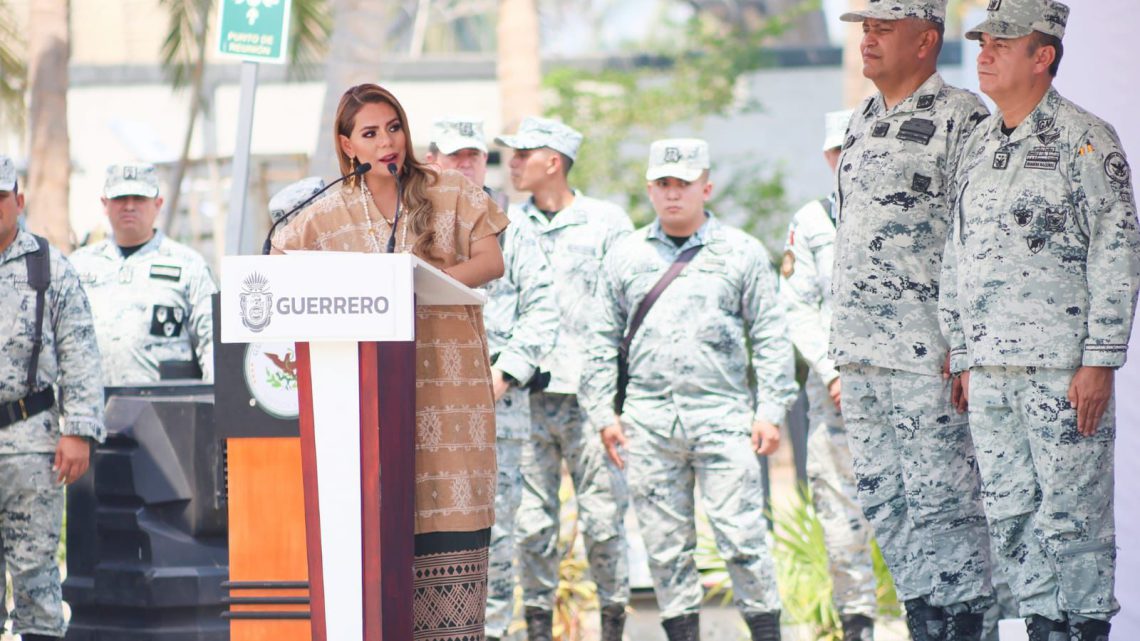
[395, 171]
[359, 171]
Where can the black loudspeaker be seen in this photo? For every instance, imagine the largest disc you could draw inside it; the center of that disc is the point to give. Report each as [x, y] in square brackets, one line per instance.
[146, 527]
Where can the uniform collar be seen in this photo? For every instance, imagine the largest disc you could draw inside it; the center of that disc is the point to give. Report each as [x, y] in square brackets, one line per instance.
[574, 214]
[702, 236]
[922, 99]
[1041, 122]
[24, 243]
[111, 249]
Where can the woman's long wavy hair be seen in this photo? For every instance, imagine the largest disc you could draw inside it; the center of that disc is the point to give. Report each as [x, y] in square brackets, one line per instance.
[415, 176]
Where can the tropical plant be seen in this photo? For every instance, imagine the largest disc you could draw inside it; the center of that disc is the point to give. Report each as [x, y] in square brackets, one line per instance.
[13, 71]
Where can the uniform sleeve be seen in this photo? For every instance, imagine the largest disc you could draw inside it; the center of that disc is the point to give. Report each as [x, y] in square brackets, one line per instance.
[201, 322]
[77, 353]
[479, 212]
[802, 298]
[949, 316]
[1103, 197]
[972, 116]
[772, 356]
[536, 328]
[599, 370]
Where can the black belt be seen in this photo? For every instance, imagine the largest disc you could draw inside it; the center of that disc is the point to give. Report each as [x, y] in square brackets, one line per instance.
[30, 405]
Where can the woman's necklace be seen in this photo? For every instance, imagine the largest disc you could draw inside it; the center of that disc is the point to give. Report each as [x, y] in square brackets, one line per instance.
[365, 201]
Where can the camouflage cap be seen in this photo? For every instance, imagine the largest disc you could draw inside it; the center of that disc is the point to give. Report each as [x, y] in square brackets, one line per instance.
[835, 128]
[452, 134]
[535, 133]
[292, 195]
[684, 158]
[7, 173]
[131, 179]
[932, 10]
[1017, 18]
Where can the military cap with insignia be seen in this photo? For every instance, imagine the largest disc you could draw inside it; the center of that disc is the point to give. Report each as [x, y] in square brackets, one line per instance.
[131, 179]
[536, 133]
[1008, 19]
[7, 174]
[450, 135]
[932, 10]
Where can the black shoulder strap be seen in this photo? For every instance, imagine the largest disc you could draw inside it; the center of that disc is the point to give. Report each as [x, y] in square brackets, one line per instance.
[682, 260]
[39, 277]
[828, 207]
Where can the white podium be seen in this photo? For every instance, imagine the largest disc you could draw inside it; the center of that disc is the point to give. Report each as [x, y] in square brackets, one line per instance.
[353, 319]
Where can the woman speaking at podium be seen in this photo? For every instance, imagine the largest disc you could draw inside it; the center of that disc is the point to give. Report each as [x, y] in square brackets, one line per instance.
[402, 205]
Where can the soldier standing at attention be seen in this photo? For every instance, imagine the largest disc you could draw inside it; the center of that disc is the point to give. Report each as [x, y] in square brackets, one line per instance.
[150, 295]
[917, 478]
[806, 291]
[521, 318]
[1039, 296]
[574, 232]
[693, 419]
[47, 342]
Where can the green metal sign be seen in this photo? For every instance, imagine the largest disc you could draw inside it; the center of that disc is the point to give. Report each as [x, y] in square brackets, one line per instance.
[254, 30]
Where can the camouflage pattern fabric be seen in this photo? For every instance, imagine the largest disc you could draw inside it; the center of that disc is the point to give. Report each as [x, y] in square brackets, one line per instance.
[150, 307]
[918, 484]
[560, 432]
[31, 517]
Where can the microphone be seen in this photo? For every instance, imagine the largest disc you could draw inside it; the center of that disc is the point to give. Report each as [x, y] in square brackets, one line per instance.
[395, 171]
[359, 171]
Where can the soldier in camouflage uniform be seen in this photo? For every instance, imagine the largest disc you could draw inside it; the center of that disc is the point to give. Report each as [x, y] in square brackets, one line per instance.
[522, 323]
[692, 417]
[150, 295]
[1039, 295]
[806, 291]
[917, 478]
[38, 451]
[574, 232]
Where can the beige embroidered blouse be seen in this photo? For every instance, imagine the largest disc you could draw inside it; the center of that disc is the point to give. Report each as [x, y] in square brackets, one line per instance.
[455, 409]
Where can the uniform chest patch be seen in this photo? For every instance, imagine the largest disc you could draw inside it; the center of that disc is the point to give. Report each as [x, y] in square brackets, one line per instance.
[1117, 169]
[880, 130]
[926, 102]
[1055, 218]
[920, 183]
[1001, 159]
[166, 272]
[1042, 158]
[1049, 137]
[918, 130]
[166, 321]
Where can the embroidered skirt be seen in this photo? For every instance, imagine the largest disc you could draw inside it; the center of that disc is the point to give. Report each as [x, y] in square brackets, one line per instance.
[450, 580]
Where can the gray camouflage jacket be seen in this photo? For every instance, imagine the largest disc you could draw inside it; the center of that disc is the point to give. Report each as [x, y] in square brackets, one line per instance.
[893, 195]
[69, 358]
[151, 307]
[521, 316]
[690, 360]
[574, 242]
[1043, 265]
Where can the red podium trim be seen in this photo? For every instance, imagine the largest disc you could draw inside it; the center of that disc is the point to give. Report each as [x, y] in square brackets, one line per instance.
[312, 500]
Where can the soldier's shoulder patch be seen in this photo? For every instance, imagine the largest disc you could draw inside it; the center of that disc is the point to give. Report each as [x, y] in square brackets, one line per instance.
[788, 264]
[1117, 169]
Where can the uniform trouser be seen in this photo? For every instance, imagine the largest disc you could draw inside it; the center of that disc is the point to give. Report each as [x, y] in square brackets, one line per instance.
[1048, 491]
[560, 431]
[846, 532]
[666, 464]
[918, 484]
[501, 569]
[31, 515]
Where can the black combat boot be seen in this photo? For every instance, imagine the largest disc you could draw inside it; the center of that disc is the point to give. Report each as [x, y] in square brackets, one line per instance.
[765, 626]
[858, 627]
[686, 627]
[539, 624]
[964, 626]
[1088, 630]
[1042, 629]
[924, 621]
[613, 622]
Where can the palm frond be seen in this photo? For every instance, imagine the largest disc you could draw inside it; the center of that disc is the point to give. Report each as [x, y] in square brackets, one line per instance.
[309, 30]
[186, 28]
[13, 70]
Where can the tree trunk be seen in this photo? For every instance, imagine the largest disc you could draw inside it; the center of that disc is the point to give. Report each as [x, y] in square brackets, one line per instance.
[169, 217]
[49, 157]
[855, 86]
[355, 49]
[519, 67]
